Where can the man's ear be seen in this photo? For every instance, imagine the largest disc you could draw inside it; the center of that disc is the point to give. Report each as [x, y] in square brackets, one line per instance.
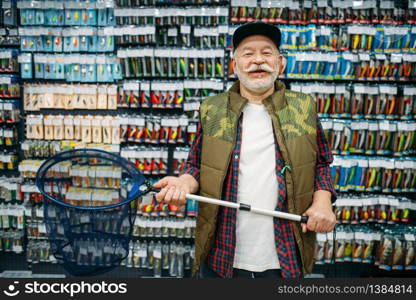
[233, 66]
[281, 64]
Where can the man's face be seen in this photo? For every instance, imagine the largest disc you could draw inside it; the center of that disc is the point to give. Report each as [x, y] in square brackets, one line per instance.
[256, 63]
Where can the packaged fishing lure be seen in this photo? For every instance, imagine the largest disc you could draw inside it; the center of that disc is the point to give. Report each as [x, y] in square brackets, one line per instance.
[339, 246]
[409, 256]
[369, 246]
[385, 251]
[320, 248]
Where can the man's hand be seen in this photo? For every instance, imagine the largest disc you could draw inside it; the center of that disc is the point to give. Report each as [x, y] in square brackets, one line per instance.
[321, 218]
[174, 189]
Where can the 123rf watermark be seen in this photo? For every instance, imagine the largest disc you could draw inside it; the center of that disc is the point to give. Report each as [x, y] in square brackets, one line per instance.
[367, 289]
[71, 289]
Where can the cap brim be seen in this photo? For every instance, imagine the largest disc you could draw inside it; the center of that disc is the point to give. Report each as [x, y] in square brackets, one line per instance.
[256, 28]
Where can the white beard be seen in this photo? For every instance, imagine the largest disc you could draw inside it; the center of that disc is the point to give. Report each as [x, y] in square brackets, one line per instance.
[257, 85]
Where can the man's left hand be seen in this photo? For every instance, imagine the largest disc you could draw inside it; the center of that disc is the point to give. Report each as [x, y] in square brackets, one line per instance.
[321, 218]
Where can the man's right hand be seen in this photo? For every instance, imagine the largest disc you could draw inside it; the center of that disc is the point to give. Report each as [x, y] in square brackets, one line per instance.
[174, 189]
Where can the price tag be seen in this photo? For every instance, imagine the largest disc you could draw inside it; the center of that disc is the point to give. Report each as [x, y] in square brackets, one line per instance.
[185, 29]
[42, 228]
[142, 253]
[157, 254]
[409, 237]
[172, 32]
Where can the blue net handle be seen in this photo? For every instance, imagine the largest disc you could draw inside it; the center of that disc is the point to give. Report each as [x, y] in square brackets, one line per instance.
[136, 176]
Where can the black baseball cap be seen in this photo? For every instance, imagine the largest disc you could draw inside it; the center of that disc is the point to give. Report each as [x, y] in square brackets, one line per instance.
[256, 28]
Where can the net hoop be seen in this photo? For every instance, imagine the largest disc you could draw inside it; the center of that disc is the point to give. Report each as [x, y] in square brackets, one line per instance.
[137, 178]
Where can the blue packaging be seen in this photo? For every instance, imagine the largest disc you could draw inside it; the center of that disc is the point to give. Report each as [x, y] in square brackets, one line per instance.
[39, 17]
[47, 41]
[89, 17]
[57, 43]
[102, 17]
[111, 19]
[39, 66]
[25, 61]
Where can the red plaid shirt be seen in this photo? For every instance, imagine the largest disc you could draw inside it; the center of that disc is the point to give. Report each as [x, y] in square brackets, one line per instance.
[221, 256]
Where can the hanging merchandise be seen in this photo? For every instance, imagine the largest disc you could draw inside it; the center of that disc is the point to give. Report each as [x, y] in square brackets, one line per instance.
[8, 137]
[208, 37]
[69, 13]
[338, 136]
[298, 38]
[171, 258]
[349, 66]
[388, 248]
[9, 37]
[179, 159]
[8, 161]
[39, 252]
[197, 90]
[9, 87]
[312, 65]
[323, 12]
[83, 39]
[370, 137]
[129, 14]
[332, 101]
[355, 209]
[407, 105]
[78, 68]
[149, 160]
[9, 111]
[8, 61]
[69, 97]
[135, 35]
[373, 101]
[163, 95]
[331, 38]
[158, 226]
[175, 63]
[40, 149]
[154, 129]
[10, 189]
[87, 129]
[374, 174]
[11, 241]
[25, 61]
[368, 101]
[166, 94]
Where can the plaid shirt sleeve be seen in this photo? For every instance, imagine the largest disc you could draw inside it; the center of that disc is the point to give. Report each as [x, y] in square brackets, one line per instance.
[193, 163]
[323, 179]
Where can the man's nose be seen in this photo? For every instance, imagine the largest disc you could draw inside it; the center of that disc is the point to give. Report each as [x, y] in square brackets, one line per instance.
[258, 59]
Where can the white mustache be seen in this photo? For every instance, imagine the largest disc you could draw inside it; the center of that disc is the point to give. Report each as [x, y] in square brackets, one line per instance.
[263, 67]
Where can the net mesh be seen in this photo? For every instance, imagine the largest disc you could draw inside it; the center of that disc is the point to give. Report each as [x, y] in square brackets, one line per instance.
[90, 207]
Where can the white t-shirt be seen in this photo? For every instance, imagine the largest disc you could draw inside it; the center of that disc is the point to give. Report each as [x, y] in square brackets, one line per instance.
[257, 186]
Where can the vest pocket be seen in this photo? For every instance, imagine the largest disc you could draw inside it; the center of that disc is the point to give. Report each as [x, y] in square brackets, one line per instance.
[304, 177]
[210, 181]
[215, 152]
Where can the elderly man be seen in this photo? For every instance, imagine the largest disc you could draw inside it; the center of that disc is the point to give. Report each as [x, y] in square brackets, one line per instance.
[262, 145]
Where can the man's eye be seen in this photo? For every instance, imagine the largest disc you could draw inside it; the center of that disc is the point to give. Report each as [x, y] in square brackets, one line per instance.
[247, 54]
[267, 53]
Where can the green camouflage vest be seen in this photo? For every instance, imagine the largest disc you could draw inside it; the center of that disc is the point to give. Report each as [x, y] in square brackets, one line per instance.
[294, 122]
